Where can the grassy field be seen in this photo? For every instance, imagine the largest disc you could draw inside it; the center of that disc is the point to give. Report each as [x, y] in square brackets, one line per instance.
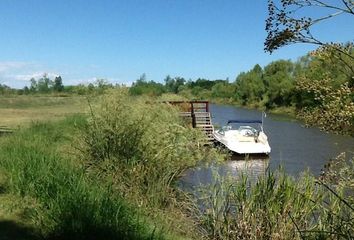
[112, 174]
[19, 111]
[66, 175]
[48, 195]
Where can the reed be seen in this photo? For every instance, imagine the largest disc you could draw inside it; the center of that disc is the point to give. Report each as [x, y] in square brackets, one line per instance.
[69, 204]
[276, 206]
[142, 147]
[113, 176]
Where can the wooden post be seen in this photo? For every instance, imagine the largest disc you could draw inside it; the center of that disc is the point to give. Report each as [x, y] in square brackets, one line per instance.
[193, 115]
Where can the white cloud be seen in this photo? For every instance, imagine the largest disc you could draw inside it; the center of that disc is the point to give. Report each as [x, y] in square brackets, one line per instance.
[89, 80]
[17, 74]
[12, 65]
[35, 75]
[120, 82]
[76, 81]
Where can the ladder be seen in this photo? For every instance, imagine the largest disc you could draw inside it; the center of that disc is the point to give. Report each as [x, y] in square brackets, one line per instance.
[203, 122]
[197, 112]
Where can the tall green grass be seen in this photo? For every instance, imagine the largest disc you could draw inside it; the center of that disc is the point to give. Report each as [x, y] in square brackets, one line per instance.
[70, 205]
[113, 176]
[143, 147]
[277, 206]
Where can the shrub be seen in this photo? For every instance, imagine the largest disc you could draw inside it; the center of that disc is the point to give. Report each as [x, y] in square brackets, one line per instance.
[143, 147]
[70, 205]
[278, 206]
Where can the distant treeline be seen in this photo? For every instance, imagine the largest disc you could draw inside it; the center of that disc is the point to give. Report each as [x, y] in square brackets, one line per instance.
[318, 87]
[281, 83]
[45, 85]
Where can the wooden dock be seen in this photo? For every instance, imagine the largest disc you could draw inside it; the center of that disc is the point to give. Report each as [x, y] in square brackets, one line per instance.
[199, 115]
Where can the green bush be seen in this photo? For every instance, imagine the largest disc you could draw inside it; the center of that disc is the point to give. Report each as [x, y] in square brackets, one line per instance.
[143, 146]
[70, 205]
[277, 206]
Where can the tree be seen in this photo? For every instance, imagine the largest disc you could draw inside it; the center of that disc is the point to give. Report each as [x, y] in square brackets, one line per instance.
[33, 87]
[142, 86]
[26, 90]
[58, 84]
[250, 88]
[142, 78]
[322, 92]
[4, 88]
[285, 23]
[173, 84]
[223, 90]
[279, 83]
[44, 84]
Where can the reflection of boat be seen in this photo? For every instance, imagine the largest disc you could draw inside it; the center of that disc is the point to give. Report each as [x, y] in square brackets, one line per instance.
[244, 139]
[252, 169]
[259, 165]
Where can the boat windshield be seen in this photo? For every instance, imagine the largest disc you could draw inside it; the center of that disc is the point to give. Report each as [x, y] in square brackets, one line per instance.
[224, 129]
[247, 131]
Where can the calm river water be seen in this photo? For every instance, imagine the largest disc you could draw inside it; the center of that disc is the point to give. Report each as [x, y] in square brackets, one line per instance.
[294, 147]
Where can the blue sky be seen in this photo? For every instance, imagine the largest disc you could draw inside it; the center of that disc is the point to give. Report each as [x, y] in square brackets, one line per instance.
[119, 40]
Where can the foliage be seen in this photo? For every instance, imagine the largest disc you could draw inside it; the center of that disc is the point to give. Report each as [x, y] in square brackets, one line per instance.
[69, 204]
[279, 83]
[45, 85]
[250, 86]
[288, 22]
[332, 68]
[4, 89]
[324, 92]
[144, 87]
[58, 84]
[338, 61]
[204, 83]
[271, 87]
[173, 84]
[276, 206]
[142, 147]
[335, 108]
[223, 90]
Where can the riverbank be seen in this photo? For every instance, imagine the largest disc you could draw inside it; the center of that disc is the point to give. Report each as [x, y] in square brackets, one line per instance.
[291, 113]
[113, 173]
[83, 187]
[47, 192]
[287, 112]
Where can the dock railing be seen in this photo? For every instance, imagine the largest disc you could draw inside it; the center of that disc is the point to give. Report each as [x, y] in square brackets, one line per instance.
[198, 112]
[189, 108]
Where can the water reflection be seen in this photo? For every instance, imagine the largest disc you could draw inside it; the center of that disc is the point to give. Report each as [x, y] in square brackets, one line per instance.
[294, 147]
[253, 167]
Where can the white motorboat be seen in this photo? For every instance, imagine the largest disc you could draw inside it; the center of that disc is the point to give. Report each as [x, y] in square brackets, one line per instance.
[243, 139]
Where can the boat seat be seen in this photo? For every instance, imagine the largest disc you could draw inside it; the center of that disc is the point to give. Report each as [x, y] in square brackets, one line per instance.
[243, 138]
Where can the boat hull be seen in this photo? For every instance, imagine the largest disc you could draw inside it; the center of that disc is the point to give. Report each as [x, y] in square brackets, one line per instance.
[243, 147]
